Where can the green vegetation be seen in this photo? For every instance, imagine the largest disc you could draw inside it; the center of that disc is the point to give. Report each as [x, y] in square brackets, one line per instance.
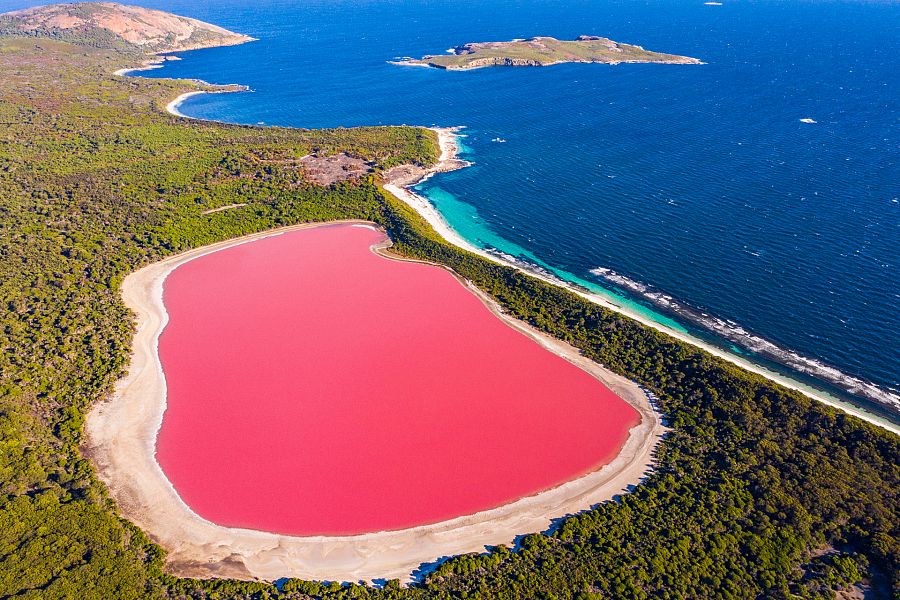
[760, 492]
[544, 51]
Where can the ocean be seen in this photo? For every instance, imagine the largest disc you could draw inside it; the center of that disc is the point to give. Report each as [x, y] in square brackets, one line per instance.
[695, 194]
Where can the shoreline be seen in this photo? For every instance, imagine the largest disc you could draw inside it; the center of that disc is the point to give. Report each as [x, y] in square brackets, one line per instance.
[159, 61]
[120, 437]
[199, 548]
[225, 88]
[448, 161]
[172, 107]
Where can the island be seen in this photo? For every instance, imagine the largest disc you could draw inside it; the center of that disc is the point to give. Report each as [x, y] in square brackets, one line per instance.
[544, 51]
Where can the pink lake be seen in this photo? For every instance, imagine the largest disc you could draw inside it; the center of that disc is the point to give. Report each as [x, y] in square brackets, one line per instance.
[315, 387]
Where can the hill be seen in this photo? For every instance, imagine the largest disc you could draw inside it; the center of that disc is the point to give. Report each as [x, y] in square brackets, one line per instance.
[117, 26]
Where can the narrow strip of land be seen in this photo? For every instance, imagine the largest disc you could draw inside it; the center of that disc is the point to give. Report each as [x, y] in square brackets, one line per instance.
[399, 182]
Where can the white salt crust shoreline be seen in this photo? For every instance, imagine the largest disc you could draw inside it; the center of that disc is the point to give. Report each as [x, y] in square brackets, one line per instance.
[449, 161]
[121, 435]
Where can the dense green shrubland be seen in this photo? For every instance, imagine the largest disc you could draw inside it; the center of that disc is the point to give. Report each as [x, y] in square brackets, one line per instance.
[759, 491]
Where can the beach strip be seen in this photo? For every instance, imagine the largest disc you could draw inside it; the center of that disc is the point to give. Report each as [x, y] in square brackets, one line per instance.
[401, 188]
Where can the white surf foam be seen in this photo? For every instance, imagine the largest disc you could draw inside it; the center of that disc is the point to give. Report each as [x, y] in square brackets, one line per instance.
[738, 335]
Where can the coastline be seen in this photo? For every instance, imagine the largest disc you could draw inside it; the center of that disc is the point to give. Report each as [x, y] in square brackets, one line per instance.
[228, 88]
[155, 62]
[201, 549]
[158, 61]
[172, 107]
[120, 435]
[400, 187]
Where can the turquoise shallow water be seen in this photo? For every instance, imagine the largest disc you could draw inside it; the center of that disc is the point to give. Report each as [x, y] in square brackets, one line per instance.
[695, 192]
[466, 221]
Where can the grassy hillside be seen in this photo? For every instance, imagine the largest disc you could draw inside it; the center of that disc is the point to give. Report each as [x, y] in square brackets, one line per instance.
[109, 25]
[760, 492]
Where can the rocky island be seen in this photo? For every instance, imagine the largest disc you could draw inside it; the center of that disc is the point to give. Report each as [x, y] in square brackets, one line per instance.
[545, 51]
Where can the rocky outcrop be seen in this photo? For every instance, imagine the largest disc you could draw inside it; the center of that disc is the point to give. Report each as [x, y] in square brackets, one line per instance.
[494, 61]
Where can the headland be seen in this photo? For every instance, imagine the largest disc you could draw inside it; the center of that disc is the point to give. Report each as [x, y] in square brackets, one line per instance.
[121, 27]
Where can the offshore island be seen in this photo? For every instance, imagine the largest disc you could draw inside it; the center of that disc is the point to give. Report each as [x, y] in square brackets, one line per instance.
[544, 51]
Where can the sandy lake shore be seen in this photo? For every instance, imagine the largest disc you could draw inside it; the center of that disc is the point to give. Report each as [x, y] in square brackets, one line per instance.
[120, 440]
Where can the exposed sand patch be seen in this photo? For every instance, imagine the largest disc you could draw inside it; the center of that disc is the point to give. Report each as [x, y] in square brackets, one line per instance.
[120, 439]
[172, 107]
[325, 170]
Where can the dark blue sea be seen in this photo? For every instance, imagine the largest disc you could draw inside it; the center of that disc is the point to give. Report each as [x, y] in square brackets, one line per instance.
[695, 192]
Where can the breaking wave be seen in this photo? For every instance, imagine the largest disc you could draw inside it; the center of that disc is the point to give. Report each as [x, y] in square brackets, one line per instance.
[733, 332]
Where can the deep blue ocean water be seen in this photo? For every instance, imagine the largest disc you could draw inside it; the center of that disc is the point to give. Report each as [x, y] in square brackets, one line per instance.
[695, 191]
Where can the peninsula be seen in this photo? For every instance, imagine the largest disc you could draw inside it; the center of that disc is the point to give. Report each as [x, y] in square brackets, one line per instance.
[117, 26]
[543, 52]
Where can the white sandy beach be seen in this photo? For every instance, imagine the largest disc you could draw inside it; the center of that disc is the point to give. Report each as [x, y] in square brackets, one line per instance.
[121, 434]
[172, 107]
[401, 188]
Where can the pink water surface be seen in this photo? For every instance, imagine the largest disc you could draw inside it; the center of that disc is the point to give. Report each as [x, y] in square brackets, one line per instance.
[317, 388]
